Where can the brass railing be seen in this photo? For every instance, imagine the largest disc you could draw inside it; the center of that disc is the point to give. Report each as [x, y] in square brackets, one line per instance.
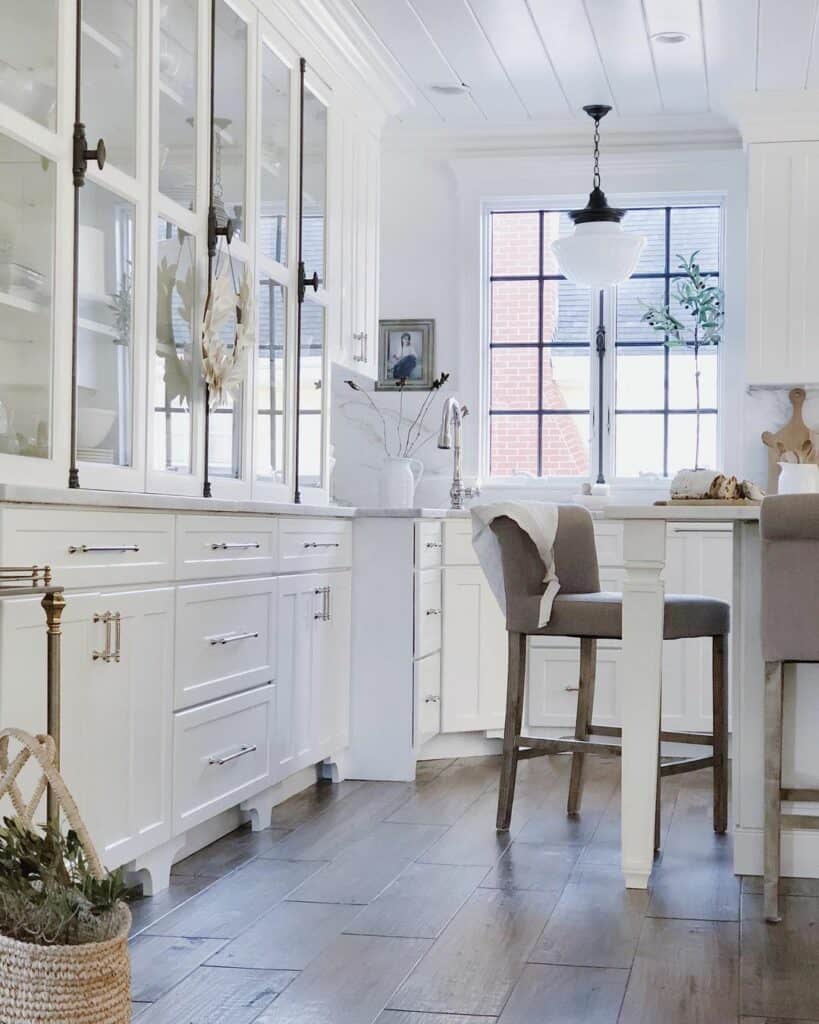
[25, 581]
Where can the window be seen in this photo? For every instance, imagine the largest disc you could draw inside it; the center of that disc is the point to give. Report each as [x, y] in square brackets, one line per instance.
[545, 393]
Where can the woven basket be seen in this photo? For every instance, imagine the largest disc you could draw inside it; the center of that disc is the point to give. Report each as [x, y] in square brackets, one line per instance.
[87, 984]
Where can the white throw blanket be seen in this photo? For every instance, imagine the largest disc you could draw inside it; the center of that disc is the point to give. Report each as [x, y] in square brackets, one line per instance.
[539, 520]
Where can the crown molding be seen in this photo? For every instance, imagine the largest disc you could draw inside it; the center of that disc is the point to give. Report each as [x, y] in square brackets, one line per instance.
[565, 136]
[776, 116]
[336, 33]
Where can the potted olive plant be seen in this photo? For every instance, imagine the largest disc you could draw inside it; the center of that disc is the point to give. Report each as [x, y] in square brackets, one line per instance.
[698, 324]
[63, 925]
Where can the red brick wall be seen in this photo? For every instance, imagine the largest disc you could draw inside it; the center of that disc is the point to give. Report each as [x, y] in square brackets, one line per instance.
[514, 318]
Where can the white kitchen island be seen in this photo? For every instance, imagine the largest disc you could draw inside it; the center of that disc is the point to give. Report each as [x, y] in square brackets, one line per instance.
[644, 542]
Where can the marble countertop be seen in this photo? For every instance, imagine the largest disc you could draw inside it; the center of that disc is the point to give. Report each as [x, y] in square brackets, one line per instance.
[688, 513]
[85, 498]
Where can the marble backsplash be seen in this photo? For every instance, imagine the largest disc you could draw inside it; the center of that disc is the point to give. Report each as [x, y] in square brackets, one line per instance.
[358, 445]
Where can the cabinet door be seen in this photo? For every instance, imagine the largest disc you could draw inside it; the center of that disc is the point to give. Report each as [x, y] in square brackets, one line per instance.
[117, 725]
[300, 600]
[553, 668]
[116, 715]
[331, 663]
[699, 561]
[473, 688]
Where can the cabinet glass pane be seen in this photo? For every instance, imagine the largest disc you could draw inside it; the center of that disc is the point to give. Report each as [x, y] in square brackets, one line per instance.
[225, 422]
[109, 78]
[105, 327]
[177, 101]
[311, 415]
[271, 325]
[28, 58]
[315, 185]
[173, 356]
[27, 197]
[230, 118]
[274, 172]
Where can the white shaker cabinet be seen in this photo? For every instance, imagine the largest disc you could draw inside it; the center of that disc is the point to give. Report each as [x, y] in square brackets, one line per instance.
[473, 664]
[313, 668]
[361, 168]
[116, 707]
[782, 299]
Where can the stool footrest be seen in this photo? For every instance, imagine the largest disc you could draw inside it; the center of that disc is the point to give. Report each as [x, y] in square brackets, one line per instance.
[701, 739]
[690, 764]
[799, 821]
[564, 745]
[799, 794]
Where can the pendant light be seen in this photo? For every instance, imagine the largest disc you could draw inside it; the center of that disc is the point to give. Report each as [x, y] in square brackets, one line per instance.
[598, 253]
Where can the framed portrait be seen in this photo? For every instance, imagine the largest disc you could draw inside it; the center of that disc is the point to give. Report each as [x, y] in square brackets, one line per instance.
[406, 351]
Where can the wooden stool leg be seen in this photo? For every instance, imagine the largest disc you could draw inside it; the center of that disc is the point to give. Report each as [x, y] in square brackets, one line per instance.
[514, 717]
[773, 784]
[658, 797]
[719, 673]
[585, 709]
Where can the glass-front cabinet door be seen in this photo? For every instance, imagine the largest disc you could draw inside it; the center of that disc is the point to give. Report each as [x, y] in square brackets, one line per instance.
[315, 313]
[113, 247]
[35, 244]
[276, 244]
[142, 265]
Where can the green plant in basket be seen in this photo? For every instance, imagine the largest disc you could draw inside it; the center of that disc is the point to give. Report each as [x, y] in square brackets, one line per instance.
[49, 895]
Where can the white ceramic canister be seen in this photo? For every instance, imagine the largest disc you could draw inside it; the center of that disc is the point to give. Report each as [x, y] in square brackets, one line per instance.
[798, 478]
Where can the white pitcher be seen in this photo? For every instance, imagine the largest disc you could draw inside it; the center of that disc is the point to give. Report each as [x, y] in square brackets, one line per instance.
[399, 478]
[798, 478]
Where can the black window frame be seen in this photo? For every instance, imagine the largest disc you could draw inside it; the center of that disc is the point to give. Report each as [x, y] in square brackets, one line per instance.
[606, 316]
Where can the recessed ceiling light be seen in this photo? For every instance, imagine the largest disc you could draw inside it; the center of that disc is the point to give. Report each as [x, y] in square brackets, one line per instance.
[670, 37]
[450, 88]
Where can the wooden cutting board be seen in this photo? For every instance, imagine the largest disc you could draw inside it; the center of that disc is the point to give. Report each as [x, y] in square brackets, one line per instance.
[792, 436]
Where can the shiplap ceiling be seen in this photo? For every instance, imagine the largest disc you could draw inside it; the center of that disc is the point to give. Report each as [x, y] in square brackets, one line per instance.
[536, 60]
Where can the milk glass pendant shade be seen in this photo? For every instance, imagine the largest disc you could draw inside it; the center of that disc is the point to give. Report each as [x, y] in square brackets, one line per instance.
[598, 253]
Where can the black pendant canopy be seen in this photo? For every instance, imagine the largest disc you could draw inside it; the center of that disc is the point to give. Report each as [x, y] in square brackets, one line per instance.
[597, 209]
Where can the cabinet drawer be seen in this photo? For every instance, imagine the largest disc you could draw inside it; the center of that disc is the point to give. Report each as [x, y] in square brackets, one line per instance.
[458, 548]
[428, 612]
[225, 639]
[208, 546]
[311, 544]
[222, 755]
[90, 548]
[428, 545]
[427, 688]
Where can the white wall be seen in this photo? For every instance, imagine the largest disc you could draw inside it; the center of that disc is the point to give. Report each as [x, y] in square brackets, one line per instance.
[431, 267]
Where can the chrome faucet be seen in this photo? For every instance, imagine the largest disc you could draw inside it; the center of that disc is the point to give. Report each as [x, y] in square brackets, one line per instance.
[450, 437]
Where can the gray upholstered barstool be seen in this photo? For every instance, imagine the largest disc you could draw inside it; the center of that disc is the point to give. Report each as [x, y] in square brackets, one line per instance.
[582, 610]
[789, 525]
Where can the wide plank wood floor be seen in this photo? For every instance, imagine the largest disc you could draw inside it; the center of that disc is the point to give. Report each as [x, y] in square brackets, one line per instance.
[394, 903]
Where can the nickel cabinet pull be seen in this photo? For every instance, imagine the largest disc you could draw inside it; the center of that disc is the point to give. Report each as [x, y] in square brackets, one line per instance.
[431, 698]
[86, 549]
[231, 638]
[105, 653]
[434, 544]
[236, 546]
[433, 611]
[227, 758]
[117, 620]
[571, 689]
[359, 336]
[322, 544]
[324, 614]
